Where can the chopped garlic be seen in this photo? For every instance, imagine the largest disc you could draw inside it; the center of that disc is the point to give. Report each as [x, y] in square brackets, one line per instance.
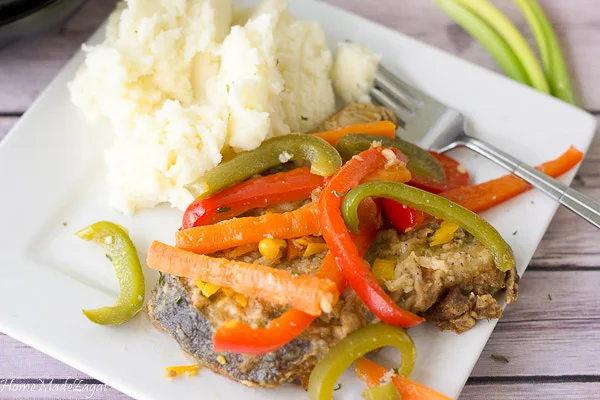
[390, 156]
[327, 303]
[285, 157]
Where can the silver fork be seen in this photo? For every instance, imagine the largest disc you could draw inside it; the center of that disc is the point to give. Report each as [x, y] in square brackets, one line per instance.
[440, 128]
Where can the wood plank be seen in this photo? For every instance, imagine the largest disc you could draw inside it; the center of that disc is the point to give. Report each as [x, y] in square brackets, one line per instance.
[5, 124]
[570, 240]
[26, 68]
[555, 347]
[575, 21]
[31, 364]
[573, 295]
[531, 390]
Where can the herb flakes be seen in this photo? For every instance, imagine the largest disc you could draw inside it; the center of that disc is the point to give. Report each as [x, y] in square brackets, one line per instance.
[499, 358]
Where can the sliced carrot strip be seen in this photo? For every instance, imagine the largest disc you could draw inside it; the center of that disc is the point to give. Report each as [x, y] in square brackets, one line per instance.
[488, 194]
[310, 294]
[372, 374]
[382, 128]
[240, 337]
[239, 231]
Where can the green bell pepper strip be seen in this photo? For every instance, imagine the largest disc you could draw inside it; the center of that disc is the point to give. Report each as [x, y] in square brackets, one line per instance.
[552, 59]
[436, 206]
[118, 247]
[326, 373]
[488, 37]
[420, 161]
[513, 38]
[386, 391]
[324, 160]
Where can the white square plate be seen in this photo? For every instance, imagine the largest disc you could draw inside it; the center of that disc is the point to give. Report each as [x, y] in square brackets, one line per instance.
[52, 173]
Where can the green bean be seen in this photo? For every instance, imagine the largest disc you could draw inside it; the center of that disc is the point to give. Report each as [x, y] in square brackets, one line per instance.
[552, 59]
[498, 48]
[493, 17]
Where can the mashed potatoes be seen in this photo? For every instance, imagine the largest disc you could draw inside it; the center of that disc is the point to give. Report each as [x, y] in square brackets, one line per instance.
[354, 69]
[180, 85]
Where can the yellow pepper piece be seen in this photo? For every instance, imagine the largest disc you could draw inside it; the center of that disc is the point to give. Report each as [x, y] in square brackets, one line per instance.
[199, 284]
[306, 240]
[241, 299]
[221, 359]
[243, 249]
[189, 370]
[314, 248]
[444, 234]
[272, 249]
[228, 291]
[209, 289]
[383, 269]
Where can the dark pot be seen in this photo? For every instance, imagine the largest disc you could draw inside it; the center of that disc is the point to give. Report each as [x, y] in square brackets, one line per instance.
[23, 18]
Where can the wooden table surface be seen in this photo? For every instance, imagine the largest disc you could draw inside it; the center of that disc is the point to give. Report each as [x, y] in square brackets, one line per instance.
[551, 335]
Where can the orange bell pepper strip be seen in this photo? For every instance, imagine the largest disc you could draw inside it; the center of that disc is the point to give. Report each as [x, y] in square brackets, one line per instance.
[488, 194]
[381, 128]
[235, 232]
[240, 337]
[339, 241]
[309, 294]
[282, 187]
[372, 374]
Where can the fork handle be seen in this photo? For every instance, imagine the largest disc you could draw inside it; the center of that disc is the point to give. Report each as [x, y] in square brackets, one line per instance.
[582, 205]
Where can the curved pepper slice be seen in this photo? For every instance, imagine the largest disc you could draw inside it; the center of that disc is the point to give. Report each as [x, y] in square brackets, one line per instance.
[347, 257]
[240, 337]
[420, 162]
[118, 247]
[264, 191]
[324, 159]
[434, 205]
[326, 373]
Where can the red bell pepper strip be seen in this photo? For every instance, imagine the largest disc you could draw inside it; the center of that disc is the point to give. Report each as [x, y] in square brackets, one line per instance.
[486, 195]
[456, 176]
[372, 374]
[282, 187]
[337, 237]
[401, 216]
[240, 337]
